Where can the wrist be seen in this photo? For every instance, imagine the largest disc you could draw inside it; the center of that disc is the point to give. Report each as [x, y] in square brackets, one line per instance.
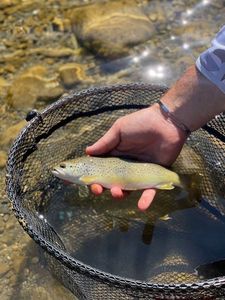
[173, 119]
[172, 129]
[194, 100]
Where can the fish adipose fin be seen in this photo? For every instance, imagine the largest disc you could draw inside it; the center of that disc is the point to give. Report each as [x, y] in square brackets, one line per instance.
[166, 186]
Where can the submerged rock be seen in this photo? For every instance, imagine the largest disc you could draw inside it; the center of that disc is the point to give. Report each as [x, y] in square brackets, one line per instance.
[4, 268]
[55, 52]
[6, 3]
[2, 225]
[108, 29]
[3, 158]
[3, 86]
[10, 133]
[61, 25]
[72, 73]
[31, 86]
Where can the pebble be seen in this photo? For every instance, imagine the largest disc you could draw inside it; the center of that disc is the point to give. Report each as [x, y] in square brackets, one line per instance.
[6, 3]
[26, 272]
[3, 86]
[61, 25]
[38, 70]
[6, 218]
[3, 158]
[2, 225]
[4, 268]
[35, 260]
[72, 73]
[153, 17]
[10, 224]
[12, 279]
[3, 82]
[17, 262]
[55, 52]
[39, 292]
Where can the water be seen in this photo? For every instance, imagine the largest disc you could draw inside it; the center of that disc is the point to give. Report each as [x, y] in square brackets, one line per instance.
[36, 41]
[176, 235]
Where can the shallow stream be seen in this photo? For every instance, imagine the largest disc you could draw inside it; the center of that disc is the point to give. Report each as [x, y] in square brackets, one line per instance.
[46, 50]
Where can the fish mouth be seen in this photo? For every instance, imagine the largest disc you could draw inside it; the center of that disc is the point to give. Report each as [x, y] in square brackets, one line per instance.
[58, 172]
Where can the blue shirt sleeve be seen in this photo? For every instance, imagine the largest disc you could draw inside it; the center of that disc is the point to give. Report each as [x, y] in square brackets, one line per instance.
[211, 63]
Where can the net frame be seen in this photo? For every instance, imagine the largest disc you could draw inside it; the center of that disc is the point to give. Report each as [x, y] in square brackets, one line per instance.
[26, 143]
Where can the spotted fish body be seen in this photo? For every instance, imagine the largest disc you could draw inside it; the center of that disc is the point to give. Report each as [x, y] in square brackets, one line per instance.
[114, 171]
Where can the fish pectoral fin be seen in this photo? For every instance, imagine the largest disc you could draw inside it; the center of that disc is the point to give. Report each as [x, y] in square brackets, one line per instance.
[166, 186]
[87, 179]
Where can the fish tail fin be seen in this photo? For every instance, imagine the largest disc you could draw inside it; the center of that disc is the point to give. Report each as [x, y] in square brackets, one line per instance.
[191, 183]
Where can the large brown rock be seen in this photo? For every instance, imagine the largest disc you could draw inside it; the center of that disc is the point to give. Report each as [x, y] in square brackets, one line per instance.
[108, 29]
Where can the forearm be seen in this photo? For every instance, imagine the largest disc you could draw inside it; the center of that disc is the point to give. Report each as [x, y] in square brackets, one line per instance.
[194, 100]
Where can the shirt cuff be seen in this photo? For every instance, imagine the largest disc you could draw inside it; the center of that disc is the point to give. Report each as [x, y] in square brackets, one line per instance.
[211, 64]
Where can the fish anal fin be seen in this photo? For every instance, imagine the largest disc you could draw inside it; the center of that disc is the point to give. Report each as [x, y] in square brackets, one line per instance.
[165, 217]
[165, 186]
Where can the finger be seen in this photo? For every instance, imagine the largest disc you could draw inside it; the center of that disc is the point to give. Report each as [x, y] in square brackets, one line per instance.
[146, 199]
[117, 192]
[106, 143]
[96, 189]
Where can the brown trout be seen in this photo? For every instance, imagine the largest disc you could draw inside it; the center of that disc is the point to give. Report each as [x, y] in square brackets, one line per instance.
[115, 171]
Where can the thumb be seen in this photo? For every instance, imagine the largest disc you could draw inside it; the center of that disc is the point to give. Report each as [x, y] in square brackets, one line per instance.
[106, 143]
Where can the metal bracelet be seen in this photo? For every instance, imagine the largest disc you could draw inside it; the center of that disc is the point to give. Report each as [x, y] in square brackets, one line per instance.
[173, 119]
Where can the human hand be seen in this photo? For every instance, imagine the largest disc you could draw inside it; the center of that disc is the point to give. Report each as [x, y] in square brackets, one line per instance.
[144, 135]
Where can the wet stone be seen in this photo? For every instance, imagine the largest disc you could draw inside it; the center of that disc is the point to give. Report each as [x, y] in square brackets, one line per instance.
[10, 223]
[38, 70]
[153, 17]
[6, 218]
[108, 29]
[27, 89]
[72, 73]
[2, 225]
[39, 293]
[12, 279]
[17, 261]
[3, 158]
[6, 3]
[4, 208]
[35, 260]
[61, 25]
[10, 133]
[4, 268]
[3, 86]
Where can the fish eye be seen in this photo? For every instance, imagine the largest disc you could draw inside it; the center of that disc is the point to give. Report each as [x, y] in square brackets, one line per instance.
[63, 166]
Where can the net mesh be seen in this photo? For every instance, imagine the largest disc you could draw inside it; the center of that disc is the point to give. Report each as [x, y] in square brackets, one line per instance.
[40, 201]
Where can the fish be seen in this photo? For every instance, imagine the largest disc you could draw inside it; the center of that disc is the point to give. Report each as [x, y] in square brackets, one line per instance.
[109, 172]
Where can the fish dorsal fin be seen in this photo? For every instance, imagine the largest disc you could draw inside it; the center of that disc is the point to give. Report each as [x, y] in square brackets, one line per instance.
[165, 186]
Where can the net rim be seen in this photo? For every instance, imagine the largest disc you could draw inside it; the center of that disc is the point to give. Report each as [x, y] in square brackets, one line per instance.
[62, 256]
